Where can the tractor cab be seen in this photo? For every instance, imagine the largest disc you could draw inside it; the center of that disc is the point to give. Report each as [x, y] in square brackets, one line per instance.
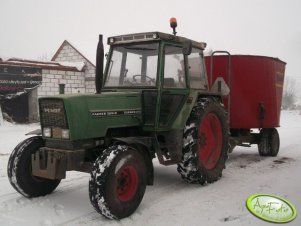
[165, 68]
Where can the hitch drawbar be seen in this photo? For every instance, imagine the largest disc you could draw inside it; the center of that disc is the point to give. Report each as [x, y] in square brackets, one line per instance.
[53, 163]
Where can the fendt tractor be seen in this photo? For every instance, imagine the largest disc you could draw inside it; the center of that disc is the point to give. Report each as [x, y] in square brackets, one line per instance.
[152, 100]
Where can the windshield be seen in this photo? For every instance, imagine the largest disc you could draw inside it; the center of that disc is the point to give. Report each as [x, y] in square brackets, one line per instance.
[133, 66]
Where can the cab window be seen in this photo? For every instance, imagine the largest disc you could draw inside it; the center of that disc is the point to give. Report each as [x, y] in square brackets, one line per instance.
[133, 66]
[196, 69]
[174, 71]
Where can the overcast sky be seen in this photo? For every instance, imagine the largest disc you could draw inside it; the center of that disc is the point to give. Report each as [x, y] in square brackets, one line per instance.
[35, 28]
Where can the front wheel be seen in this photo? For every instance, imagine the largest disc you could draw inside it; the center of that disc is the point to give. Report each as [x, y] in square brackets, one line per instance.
[118, 182]
[205, 145]
[19, 170]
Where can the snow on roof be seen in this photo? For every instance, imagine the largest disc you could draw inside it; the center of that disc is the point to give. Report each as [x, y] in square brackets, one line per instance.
[4, 58]
[78, 65]
[72, 66]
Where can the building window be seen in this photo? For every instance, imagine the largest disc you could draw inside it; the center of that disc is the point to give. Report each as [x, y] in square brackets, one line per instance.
[62, 88]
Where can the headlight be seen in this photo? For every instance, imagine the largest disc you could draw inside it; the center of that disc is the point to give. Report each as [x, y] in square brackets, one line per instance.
[65, 134]
[47, 132]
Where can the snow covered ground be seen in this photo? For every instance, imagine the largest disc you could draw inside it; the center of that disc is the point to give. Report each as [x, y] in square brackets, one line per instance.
[170, 201]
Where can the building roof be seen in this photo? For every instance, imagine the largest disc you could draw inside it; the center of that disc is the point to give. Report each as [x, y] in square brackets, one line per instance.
[65, 42]
[153, 36]
[50, 65]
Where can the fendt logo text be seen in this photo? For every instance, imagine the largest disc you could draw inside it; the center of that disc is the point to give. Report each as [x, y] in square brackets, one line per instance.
[52, 110]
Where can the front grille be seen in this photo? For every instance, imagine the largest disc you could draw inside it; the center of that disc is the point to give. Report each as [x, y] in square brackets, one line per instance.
[52, 113]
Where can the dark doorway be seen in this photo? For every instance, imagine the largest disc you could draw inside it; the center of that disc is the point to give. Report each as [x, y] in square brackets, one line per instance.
[17, 108]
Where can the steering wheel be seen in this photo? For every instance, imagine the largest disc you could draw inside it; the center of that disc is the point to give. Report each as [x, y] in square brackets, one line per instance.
[149, 82]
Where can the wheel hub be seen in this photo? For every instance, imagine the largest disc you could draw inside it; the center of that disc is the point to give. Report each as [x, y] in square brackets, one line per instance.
[127, 183]
[210, 141]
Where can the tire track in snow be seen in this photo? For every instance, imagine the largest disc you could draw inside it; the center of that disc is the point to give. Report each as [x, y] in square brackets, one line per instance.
[82, 219]
[19, 202]
[245, 159]
[164, 184]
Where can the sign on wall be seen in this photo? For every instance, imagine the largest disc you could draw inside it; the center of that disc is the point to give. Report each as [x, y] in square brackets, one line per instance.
[14, 79]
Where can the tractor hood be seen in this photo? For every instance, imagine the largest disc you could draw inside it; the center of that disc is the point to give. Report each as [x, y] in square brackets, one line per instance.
[90, 116]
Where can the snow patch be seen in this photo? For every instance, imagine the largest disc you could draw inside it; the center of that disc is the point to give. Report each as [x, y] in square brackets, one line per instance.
[46, 223]
[190, 126]
[59, 209]
[109, 159]
[78, 65]
[188, 141]
[105, 211]
[107, 163]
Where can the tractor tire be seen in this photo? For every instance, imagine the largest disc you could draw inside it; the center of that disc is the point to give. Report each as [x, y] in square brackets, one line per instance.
[206, 143]
[269, 142]
[19, 170]
[118, 181]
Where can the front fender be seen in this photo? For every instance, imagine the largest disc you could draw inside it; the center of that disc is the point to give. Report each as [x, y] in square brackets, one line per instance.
[35, 132]
[142, 145]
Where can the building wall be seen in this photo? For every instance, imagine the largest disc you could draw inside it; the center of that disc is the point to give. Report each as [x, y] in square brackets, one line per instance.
[69, 54]
[74, 82]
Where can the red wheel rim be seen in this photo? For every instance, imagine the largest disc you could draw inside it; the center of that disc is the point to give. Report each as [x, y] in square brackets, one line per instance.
[127, 183]
[210, 141]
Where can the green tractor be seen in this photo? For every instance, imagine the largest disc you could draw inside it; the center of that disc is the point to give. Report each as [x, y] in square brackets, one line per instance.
[152, 100]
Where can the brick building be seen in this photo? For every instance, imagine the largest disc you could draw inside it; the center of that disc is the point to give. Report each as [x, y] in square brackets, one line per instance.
[23, 81]
[68, 53]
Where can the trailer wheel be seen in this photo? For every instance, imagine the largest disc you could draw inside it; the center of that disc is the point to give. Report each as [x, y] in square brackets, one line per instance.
[118, 182]
[205, 146]
[269, 142]
[19, 170]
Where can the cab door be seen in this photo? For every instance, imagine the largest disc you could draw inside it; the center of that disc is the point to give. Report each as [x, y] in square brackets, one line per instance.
[173, 90]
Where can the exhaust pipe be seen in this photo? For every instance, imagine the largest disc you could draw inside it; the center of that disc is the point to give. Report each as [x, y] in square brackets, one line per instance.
[99, 65]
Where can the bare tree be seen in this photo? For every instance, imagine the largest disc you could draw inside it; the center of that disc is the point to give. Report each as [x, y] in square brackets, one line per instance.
[289, 93]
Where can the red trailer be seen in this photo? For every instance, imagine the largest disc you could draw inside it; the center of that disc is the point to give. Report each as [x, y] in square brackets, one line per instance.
[254, 102]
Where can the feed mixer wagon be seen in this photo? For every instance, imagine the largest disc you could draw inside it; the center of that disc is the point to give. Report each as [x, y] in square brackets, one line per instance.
[254, 101]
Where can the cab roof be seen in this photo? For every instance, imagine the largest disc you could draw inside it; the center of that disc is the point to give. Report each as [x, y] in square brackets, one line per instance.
[152, 36]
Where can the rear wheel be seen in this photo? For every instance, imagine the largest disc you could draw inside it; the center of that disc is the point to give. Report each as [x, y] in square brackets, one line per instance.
[269, 142]
[205, 149]
[19, 170]
[118, 182]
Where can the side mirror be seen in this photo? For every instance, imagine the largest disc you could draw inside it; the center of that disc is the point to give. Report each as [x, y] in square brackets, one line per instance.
[187, 47]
